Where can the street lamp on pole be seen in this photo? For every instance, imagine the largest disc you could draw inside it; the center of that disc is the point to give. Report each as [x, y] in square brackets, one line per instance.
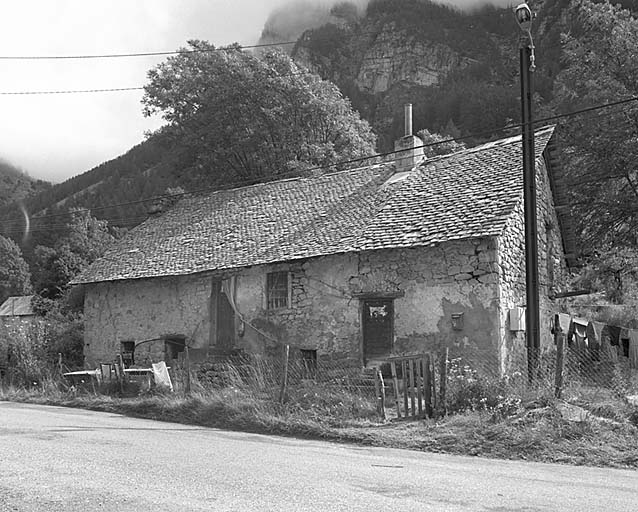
[524, 19]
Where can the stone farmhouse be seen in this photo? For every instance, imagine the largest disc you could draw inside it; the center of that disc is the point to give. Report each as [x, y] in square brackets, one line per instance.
[388, 259]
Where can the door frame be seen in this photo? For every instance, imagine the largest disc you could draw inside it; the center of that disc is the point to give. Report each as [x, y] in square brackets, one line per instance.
[363, 297]
[215, 296]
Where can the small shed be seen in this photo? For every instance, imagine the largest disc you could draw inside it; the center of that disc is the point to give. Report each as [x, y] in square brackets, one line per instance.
[17, 307]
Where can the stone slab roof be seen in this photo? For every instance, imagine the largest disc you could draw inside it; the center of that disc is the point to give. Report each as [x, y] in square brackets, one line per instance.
[17, 306]
[469, 194]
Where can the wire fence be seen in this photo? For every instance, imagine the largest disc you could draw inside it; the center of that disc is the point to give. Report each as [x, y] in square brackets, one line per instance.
[411, 386]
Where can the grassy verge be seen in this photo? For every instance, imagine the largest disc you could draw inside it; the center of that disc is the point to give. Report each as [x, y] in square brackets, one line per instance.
[539, 432]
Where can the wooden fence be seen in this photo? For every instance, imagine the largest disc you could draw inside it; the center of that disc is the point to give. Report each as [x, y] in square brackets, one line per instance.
[414, 384]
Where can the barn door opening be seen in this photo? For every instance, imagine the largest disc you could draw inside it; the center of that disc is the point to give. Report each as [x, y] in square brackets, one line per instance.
[378, 328]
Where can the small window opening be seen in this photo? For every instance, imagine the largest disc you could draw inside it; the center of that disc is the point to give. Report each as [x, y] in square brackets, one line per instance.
[277, 290]
[309, 362]
[127, 349]
[173, 346]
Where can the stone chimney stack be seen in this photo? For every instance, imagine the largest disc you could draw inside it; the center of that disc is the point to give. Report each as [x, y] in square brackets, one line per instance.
[409, 148]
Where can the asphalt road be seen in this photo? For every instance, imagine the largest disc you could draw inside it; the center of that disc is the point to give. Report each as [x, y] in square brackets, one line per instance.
[56, 459]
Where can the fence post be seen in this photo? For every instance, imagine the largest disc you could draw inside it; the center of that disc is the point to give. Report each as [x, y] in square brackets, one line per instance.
[559, 340]
[427, 385]
[120, 372]
[442, 407]
[380, 392]
[60, 364]
[284, 382]
[187, 370]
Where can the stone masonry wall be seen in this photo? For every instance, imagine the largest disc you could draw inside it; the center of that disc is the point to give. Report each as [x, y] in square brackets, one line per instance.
[325, 314]
[431, 285]
[552, 267]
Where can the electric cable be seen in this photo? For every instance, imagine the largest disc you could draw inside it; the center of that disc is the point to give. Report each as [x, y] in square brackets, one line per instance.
[295, 173]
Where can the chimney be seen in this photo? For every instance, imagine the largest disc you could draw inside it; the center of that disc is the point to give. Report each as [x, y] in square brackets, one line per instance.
[408, 149]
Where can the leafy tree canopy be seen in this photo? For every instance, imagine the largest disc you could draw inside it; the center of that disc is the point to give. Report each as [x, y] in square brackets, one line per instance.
[240, 116]
[15, 278]
[86, 240]
[601, 147]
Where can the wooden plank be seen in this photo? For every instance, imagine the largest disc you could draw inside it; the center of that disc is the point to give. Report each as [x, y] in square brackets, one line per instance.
[405, 387]
[412, 397]
[433, 376]
[380, 386]
[427, 377]
[395, 381]
[284, 380]
[419, 385]
[442, 406]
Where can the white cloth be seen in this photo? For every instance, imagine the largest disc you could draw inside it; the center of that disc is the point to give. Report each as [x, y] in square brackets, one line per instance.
[162, 377]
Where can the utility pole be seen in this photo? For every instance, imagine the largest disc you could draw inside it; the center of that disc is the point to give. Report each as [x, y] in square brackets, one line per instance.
[532, 311]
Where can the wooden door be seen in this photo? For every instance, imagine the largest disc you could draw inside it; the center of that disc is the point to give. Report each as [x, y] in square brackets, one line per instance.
[378, 327]
[225, 322]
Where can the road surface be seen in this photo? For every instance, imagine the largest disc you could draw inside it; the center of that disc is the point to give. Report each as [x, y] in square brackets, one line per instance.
[56, 459]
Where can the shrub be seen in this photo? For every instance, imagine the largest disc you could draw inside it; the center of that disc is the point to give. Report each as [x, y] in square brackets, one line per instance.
[469, 391]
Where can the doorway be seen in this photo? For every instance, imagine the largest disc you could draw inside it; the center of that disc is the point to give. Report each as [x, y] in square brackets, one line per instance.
[378, 328]
[225, 320]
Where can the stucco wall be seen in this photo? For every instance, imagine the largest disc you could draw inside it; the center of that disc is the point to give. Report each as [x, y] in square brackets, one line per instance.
[431, 284]
[552, 269]
[144, 309]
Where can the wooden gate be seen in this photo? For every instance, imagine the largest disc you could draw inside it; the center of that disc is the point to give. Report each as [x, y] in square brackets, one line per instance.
[414, 383]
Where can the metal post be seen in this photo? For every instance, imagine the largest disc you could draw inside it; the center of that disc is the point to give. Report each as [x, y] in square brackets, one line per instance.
[532, 314]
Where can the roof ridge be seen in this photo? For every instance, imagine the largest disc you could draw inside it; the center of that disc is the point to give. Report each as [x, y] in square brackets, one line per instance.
[487, 145]
[294, 178]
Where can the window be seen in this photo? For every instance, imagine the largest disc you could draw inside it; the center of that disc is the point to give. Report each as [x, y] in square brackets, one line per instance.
[309, 362]
[277, 290]
[173, 346]
[127, 349]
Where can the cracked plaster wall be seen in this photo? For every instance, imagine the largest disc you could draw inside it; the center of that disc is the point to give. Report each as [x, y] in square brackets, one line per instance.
[430, 284]
[433, 282]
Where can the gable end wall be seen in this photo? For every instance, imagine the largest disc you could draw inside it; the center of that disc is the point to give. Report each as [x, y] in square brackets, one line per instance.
[552, 268]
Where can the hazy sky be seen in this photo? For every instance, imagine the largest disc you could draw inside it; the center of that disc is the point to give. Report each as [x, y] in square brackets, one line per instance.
[54, 137]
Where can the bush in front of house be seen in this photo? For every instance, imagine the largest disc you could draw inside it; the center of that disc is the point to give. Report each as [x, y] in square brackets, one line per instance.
[469, 390]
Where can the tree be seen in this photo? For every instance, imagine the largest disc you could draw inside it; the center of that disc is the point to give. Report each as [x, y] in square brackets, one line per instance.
[86, 240]
[441, 145]
[601, 146]
[15, 278]
[239, 116]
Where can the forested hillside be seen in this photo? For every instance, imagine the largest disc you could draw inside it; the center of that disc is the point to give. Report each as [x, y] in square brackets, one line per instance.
[458, 69]
[15, 185]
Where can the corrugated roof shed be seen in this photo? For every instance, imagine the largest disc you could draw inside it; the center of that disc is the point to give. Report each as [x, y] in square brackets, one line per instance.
[17, 306]
[469, 194]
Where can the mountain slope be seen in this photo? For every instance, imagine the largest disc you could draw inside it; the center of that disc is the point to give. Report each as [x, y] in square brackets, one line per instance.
[455, 67]
[459, 69]
[16, 186]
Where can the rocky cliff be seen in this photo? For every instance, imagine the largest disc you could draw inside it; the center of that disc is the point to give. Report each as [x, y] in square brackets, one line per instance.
[458, 68]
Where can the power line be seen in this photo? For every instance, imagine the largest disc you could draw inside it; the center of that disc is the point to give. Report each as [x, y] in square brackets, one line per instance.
[75, 91]
[141, 54]
[295, 173]
[452, 17]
